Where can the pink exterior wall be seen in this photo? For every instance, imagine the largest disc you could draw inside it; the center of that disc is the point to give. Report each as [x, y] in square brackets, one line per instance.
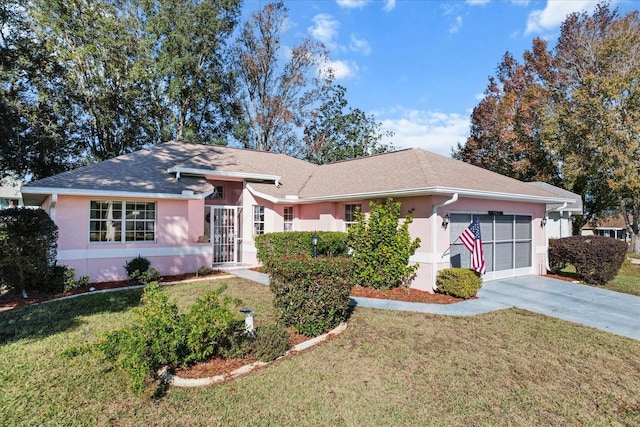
[178, 225]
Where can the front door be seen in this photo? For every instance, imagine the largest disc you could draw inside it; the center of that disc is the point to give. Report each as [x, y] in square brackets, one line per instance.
[224, 234]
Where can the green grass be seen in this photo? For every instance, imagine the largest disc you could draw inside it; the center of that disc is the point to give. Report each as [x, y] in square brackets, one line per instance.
[509, 367]
[627, 281]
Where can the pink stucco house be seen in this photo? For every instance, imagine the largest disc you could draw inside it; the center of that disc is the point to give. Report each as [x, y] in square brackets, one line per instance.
[184, 206]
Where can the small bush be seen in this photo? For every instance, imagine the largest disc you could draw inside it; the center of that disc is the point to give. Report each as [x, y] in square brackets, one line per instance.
[209, 326]
[28, 248]
[312, 295]
[137, 266]
[270, 342]
[299, 243]
[597, 259]
[458, 282]
[63, 279]
[205, 271]
[160, 336]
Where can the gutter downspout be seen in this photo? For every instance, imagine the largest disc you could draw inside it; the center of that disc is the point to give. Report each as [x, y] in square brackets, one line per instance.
[546, 237]
[52, 207]
[434, 236]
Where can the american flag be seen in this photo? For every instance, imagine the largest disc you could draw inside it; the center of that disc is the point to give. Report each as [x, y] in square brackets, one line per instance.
[472, 240]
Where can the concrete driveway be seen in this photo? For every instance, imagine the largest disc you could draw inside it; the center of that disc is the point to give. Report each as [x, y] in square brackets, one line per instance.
[609, 311]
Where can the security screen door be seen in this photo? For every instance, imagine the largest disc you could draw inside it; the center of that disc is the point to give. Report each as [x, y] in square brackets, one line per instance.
[224, 234]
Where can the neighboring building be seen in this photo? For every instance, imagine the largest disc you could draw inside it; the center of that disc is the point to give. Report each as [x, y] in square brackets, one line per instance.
[184, 206]
[611, 226]
[10, 193]
[559, 216]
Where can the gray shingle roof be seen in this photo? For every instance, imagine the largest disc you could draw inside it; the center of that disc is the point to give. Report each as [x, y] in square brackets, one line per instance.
[405, 171]
[575, 207]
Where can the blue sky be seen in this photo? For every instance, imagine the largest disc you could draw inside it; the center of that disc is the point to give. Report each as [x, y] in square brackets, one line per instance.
[421, 66]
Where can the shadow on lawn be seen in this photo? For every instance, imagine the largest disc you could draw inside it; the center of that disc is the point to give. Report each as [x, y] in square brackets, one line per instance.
[42, 320]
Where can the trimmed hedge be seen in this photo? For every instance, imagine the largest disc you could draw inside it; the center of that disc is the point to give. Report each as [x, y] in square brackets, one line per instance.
[458, 282]
[28, 249]
[312, 295]
[597, 259]
[299, 243]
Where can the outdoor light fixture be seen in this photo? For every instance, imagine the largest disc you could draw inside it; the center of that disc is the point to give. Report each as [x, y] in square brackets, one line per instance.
[543, 222]
[445, 221]
[314, 240]
[248, 320]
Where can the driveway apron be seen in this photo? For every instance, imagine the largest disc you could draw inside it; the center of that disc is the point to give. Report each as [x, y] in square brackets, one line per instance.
[609, 311]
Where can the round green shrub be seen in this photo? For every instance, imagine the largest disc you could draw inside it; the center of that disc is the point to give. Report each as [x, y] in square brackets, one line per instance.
[458, 282]
[137, 266]
[270, 342]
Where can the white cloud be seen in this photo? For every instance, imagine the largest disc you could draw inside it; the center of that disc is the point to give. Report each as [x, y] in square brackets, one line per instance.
[453, 28]
[325, 29]
[352, 4]
[389, 5]
[477, 2]
[359, 45]
[341, 69]
[555, 13]
[432, 131]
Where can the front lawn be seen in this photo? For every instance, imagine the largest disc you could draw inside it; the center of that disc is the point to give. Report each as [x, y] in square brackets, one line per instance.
[627, 280]
[510, 367]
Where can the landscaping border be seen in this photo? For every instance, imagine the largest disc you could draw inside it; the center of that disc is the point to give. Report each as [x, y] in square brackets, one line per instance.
[169, 378]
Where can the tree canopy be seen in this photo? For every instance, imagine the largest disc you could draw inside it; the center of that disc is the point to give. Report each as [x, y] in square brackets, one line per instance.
[570, 116]
[88, 80]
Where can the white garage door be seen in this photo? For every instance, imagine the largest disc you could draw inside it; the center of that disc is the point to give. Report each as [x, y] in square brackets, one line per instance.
[506, 242]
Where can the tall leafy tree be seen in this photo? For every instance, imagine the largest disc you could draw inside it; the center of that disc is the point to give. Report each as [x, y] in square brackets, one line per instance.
[32, 135]
[190, 80]
[276, 93]
[336, 133]
[506, 126]
[575, 121]
[93, 43]
[598, 110]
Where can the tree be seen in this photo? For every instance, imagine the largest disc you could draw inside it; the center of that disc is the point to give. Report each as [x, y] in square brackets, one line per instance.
[187, 70]
[582, 128]
[32, 134]
[333, 134]
[506, 126]
[275, 98]
[99, 93]
[598, 110]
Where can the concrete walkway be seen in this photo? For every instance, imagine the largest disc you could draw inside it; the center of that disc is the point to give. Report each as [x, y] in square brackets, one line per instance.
[609, 311]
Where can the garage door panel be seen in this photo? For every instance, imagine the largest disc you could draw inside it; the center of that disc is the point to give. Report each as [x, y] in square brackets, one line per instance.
[523, 254]
[504, 256]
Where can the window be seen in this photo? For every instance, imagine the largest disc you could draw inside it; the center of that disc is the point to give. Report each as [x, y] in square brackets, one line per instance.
[117, 221]
[258, 220]
[218, 193]
[350, 214]
[288, 218]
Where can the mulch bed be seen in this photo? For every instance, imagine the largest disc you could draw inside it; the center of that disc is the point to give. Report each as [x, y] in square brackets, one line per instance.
[13, 298]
